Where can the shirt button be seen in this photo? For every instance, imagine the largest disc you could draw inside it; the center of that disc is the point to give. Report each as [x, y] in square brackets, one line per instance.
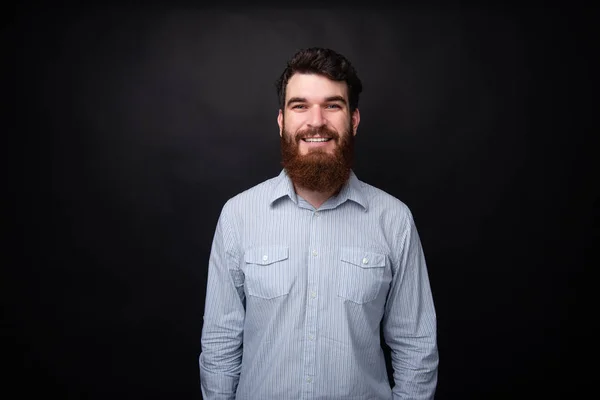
[311, 337]
[308, 379]
[313, 294]
[365, 261]
[314, 253]
[265, 258]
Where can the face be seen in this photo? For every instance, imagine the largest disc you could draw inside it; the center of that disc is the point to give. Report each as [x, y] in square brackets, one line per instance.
[317, 133]
[317, 112]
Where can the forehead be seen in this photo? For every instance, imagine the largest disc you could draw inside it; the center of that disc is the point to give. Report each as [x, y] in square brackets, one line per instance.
[314, 87]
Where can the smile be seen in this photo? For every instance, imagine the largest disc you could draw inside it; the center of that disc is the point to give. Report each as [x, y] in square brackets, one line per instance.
[313, 140]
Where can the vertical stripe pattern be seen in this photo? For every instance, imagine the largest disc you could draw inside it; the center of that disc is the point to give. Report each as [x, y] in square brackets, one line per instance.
[296, 298]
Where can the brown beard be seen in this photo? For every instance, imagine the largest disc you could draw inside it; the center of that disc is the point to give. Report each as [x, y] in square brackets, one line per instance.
[318, 170]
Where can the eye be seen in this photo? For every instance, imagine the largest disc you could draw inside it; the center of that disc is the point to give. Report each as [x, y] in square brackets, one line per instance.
[298, 107]
[333, 106]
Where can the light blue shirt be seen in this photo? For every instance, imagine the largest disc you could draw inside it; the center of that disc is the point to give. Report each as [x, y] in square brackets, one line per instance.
[296, 298]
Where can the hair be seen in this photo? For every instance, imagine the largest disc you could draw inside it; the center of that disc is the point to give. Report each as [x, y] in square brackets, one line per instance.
[325, 62]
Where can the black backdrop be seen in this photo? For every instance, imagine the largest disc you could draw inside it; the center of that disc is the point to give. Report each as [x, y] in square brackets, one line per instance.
[133, 125]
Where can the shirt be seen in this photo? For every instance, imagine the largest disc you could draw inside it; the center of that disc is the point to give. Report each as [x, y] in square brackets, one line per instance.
[297, 298]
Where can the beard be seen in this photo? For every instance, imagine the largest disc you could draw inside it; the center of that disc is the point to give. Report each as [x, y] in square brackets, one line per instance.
[318, 170]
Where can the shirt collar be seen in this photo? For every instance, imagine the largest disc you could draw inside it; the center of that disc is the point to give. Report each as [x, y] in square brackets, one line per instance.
[283, 186]
[352, 190]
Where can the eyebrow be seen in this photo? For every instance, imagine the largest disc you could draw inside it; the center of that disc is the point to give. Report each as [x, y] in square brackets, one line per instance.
[327, 100]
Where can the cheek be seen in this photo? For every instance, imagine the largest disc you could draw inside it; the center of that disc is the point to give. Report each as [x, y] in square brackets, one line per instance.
[345, 124]
[292, 126]
[290, 118]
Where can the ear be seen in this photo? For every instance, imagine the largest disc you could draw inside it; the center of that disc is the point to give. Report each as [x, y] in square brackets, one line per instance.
[355, 121]
[280, 122]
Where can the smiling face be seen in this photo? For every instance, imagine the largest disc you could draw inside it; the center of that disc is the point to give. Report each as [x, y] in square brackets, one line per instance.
[316, 113]
[317, 132]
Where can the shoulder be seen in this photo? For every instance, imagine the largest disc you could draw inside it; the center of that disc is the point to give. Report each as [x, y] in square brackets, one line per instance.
[382, 201]
[255, 196]
[393, 215]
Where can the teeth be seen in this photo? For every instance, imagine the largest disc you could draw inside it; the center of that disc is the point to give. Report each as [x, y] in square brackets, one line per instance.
[316, 140]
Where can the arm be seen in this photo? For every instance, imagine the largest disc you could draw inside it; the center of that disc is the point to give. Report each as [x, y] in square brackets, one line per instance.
[409, 323]
[221, 357]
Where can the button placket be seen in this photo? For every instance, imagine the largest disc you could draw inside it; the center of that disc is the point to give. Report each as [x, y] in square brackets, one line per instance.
[311, 320]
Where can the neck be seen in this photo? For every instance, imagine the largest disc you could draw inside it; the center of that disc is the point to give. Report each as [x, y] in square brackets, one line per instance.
[315, 198]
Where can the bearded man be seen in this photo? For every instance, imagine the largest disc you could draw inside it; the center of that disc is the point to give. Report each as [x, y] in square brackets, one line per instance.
[309, 270]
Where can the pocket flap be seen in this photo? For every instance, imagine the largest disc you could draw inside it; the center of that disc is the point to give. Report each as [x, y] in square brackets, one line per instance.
[362, 258]
[265, 255]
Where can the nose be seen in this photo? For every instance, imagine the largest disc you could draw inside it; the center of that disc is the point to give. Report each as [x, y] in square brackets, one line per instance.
[316, 119]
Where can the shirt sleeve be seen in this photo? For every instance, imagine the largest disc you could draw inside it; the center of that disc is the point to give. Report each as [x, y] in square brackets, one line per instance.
[409, 323]
[221, 355]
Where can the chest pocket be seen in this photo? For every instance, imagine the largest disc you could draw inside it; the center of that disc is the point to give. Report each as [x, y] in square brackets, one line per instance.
[267, 271]
[360, 274]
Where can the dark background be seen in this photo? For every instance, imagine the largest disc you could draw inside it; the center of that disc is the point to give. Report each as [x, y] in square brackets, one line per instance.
[133, 125]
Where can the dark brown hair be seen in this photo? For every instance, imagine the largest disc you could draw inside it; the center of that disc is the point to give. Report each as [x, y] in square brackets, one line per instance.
[321, 61]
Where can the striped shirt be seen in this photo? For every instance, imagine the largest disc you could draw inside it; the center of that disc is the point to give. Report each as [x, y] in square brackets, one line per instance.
[297, 298]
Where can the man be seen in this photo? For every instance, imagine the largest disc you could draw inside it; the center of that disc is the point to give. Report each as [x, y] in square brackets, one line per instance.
[307, 269]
